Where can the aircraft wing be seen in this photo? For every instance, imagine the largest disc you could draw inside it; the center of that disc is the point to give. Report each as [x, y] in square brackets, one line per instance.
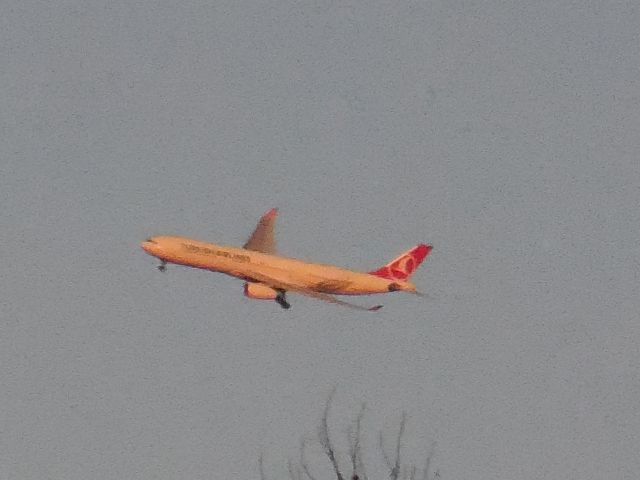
[331, 299]
[262, 238]
[279, 284]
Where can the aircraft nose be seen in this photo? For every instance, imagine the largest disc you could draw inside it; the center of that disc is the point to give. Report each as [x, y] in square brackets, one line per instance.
[148, 245]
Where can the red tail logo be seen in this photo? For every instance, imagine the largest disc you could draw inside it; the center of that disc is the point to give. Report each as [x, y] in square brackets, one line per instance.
[402, 267]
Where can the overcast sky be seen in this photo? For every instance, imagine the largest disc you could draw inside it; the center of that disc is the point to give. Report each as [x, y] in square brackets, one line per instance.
[507, 134]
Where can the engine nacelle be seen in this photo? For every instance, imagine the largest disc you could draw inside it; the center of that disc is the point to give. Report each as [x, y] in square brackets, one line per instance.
[259, 291]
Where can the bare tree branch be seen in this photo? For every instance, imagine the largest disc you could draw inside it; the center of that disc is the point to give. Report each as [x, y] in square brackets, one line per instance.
[412, 475]
[392, 458]
[427, 463]
[323, 437]
[387, 460]
[355, 448]
[263, 476]
[394, 466]
[294, 471]
[303, 460]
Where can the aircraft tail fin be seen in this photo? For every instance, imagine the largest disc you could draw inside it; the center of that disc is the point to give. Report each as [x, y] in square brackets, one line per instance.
[402, 267]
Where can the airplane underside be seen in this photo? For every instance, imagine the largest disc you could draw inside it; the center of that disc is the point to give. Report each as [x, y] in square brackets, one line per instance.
[279, 295]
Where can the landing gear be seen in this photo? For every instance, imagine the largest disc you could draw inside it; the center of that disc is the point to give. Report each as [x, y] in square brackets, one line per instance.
[282, 300]
[163, 266]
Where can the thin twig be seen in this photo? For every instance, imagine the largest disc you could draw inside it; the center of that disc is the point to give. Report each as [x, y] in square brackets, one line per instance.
[263, 476]
[427, 463]
[387, 460]
[412, 476]
[355, 448]
[323, 437]
[303, 461]
[294, 471]
[394, 467]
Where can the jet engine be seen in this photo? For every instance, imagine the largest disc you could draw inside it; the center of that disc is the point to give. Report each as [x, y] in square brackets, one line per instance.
[259, 291]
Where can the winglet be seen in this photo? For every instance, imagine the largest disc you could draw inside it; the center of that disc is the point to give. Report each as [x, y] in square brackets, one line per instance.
[270, 214]
[403, 266]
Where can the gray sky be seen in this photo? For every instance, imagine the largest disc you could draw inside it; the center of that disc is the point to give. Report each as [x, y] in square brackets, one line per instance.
[507, 135]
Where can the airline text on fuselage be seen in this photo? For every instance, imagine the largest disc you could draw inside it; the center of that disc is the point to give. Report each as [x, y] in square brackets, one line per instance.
[218, 253]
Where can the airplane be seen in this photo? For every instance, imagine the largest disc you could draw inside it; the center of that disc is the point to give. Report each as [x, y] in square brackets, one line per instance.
[268, 276]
